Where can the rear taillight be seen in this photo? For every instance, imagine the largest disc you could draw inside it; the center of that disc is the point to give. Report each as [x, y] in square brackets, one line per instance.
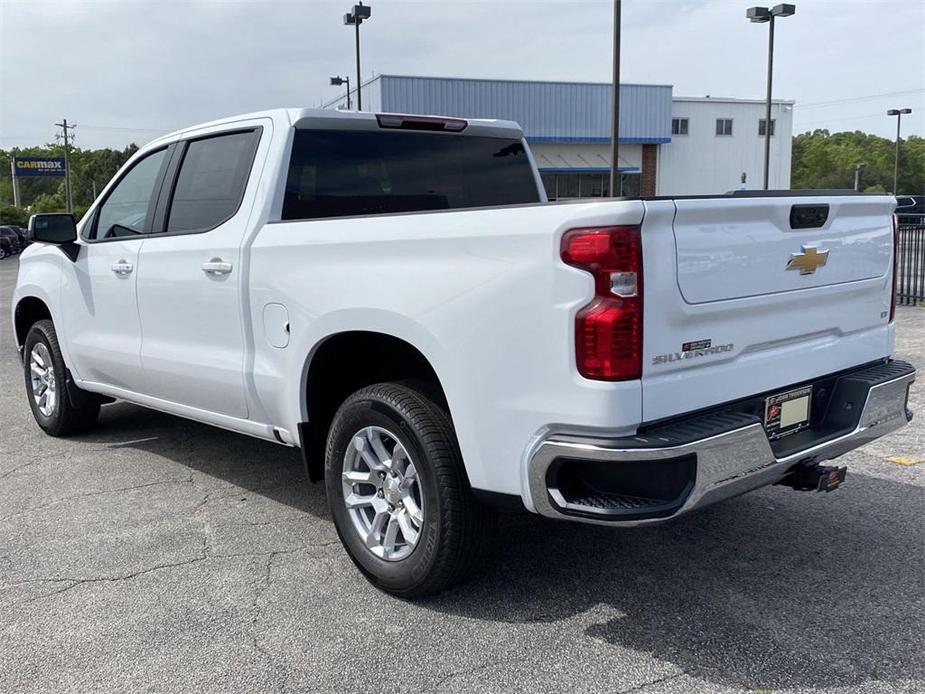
[608, 330]
[895, 267]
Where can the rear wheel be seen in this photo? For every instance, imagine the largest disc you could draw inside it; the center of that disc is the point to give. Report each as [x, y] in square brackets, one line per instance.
[45, 375]
[398, 492]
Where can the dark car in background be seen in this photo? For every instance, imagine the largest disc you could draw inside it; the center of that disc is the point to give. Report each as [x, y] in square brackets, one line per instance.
[23, 234]
[10, 241]
[6, 247]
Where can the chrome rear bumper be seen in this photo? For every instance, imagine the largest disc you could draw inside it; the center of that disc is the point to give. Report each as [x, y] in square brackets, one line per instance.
[732, 452]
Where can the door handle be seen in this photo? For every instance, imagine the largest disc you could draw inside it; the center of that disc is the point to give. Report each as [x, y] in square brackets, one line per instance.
[122, 268]
[216, 266]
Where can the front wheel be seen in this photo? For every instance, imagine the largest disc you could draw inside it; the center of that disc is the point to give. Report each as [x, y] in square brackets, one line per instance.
[46, 385]
[398, 492]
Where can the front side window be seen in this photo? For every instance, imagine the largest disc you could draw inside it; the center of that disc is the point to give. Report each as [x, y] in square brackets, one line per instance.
[129, 205]
[724, 126]
[761, 126]
[336, 173]
[211, 181]
[679, 126]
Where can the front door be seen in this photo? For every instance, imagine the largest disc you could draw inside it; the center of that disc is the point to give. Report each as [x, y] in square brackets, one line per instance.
[98, 299]
[190, 298]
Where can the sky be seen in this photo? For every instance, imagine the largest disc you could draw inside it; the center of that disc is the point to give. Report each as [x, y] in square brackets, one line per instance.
[129, 70]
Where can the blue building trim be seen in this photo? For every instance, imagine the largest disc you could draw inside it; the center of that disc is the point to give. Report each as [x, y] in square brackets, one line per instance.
[587, 169]
[599, 140]
[547, 111]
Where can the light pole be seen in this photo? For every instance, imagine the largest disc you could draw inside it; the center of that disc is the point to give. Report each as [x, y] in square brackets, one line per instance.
[338, 81]
[360, 12]
[615, 106]
[761, 15]
[898, 112]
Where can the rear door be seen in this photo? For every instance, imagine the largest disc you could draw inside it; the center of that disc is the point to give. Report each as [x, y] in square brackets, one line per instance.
[745, 295]
[190, 272]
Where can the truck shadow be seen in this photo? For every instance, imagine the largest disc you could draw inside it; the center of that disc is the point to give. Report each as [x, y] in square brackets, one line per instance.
[271, 470]
[775, 589]
[771, 590]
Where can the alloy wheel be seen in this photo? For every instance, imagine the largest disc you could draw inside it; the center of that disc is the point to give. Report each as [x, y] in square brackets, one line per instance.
[42, 377]
[382, 493]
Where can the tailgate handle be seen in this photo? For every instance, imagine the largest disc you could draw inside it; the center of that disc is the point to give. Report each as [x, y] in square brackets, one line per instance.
[808, 216]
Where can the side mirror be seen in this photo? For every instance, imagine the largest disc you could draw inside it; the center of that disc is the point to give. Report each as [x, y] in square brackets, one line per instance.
[57, 228]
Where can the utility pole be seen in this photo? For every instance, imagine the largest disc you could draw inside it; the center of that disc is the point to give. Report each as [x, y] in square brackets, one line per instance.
[67, 162]
[898, 112]
[615, 107]
[857, 176]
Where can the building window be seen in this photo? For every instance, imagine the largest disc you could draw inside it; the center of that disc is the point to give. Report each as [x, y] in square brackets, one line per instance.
[679, 126]
[565, 186]
[761, 127]
[724, 126]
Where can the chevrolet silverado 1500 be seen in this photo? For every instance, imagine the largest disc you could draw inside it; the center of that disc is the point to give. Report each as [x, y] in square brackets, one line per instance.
[394, 295]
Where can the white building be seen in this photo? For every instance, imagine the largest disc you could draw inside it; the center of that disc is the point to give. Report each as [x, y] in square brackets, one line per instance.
[668, 145]
[714, 141]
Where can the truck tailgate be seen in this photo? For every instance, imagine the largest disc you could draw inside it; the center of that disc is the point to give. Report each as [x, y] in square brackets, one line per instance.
[746, 295]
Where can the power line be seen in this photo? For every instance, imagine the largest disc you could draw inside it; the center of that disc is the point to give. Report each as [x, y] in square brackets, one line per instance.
[858, 98]
[125, 128]
[836, 120]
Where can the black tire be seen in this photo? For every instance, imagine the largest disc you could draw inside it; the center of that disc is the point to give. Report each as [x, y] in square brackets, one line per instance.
[456, 531]
[64, 418]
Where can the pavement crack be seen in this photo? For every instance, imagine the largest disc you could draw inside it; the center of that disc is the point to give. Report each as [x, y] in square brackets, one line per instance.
[470, 671]
[98, 492]
[16, 469]
[261, 584]
[645, 685]
[74, 582]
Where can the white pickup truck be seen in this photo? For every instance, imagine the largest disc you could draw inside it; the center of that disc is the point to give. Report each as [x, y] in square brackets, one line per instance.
[394, 295]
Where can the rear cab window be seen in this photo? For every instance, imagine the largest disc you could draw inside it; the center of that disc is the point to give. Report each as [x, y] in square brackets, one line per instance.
[337, 173]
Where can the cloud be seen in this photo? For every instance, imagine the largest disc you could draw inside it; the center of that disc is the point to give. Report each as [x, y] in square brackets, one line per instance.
[112, 66]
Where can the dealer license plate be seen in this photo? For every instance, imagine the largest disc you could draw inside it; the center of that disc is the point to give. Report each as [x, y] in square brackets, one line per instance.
[787, 413]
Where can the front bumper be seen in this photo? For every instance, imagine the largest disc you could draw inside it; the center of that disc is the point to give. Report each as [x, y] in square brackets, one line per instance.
[688, 464]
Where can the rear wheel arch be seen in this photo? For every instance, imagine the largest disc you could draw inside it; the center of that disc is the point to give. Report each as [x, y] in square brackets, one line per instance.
[345, 362]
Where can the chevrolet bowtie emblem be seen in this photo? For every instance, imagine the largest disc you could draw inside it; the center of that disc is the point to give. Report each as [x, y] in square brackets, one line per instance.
[807, 260]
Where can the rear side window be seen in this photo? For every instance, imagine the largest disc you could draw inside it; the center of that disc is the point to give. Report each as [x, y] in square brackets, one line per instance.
[211, 182]
[335, 173]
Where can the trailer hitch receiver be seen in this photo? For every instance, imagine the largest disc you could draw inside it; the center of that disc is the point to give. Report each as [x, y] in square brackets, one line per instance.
[815, 478]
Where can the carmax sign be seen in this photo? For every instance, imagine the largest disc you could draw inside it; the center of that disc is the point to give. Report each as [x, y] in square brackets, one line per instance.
[38, 166]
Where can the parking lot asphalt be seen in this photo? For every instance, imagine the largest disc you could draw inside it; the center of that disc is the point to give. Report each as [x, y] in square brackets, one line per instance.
[157, 554]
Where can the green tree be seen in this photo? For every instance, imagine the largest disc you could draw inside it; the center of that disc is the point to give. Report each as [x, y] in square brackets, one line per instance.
[91, 169]
[827, 160]
[13, 215]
